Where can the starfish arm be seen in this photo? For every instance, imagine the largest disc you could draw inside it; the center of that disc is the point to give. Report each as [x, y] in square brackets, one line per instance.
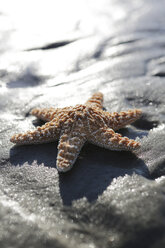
[96, 100]
[106, 137]
[45, 114]
[119, 120]
[69, 148]
[44, 134]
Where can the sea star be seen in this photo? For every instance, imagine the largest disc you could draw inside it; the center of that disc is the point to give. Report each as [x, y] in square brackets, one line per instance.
[73, 126]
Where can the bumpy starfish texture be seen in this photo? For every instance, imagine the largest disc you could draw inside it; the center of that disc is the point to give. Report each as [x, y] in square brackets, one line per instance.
[73, 126]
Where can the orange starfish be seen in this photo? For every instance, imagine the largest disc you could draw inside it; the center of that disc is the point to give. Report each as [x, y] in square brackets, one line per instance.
[73, 126]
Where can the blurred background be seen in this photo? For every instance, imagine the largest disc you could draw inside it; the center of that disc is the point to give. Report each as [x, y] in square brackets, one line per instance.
[85, 33]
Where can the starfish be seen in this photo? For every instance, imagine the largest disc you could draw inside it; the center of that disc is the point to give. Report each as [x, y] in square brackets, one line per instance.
[73, 126]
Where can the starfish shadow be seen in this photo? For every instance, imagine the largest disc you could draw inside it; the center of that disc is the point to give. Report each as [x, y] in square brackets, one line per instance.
[92, 175]
[42, 154]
